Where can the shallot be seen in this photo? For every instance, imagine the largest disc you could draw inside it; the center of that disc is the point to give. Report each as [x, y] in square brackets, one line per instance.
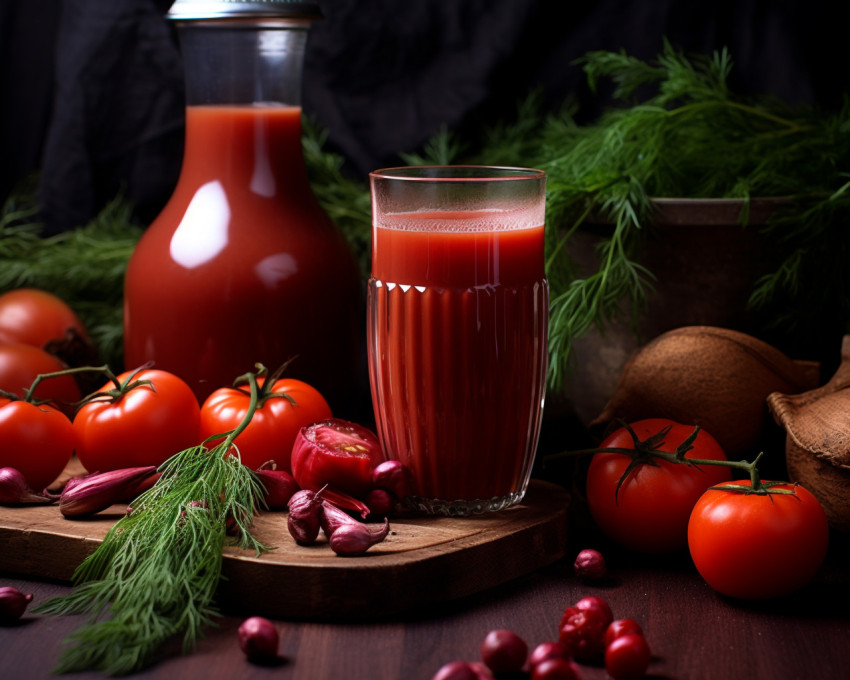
[381, 502]
[13, 603]
[279, 487]
[332, 518]
[393, 476]
[304, 521]
[258, 639]
[356, 538]
[14, 489]
[98, 491]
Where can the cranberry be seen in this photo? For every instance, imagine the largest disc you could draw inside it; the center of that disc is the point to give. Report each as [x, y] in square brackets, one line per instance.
[456, 670]
[627, 657]
[555, 669]
[621, 627]
[583, 632]
[548, 650]
[503, 651]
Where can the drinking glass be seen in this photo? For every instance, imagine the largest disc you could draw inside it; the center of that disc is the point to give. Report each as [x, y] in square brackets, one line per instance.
[457, 330]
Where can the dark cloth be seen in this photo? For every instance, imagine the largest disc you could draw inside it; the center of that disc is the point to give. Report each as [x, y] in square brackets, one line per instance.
[98, 86]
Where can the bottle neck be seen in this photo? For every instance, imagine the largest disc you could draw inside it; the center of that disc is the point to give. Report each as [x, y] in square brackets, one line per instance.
[243, 114]
[239, 63]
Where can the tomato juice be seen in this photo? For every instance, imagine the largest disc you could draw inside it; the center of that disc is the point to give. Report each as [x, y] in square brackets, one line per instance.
[458, 307]
[242, 265]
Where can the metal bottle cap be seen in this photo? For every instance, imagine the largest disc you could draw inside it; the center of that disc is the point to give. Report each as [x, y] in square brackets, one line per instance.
[191, 10]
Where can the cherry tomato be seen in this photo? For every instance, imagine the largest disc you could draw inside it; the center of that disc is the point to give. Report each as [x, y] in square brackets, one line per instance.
[143, 426]
[19, 366]
[275, 424]
[755, 545]
[627, 657]
[650, 511]
[338, 453]
[35, 317]
[38, 441]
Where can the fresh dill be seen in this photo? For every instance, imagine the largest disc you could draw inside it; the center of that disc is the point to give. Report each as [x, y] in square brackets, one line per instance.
[156, 573]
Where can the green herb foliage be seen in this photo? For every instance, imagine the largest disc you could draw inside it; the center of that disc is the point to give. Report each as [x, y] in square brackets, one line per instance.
[156, 573]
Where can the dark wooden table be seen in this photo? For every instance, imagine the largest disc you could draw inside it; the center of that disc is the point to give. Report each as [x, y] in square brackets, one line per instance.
[695, 633]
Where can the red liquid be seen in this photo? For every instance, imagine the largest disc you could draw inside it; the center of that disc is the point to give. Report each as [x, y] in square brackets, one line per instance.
[242, 265]
[457, 339]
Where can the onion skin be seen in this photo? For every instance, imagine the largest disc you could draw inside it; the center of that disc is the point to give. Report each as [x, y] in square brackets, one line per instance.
[15, 491]
[355, 539]
[258, 639]
[98, 491]
[13, 604]
[713, 377]
[304, 519]
[279, 487]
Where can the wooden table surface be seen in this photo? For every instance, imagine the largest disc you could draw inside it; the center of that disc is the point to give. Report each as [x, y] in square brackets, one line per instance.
[695, 633]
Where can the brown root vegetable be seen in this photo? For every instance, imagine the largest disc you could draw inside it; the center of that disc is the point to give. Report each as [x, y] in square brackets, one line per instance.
[713, 377]
[817, 445]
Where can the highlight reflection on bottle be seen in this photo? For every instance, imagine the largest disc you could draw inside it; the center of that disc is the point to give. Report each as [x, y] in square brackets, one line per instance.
[457, 328]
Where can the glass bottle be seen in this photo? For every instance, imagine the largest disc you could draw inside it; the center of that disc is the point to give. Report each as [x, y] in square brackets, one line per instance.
[243, 265]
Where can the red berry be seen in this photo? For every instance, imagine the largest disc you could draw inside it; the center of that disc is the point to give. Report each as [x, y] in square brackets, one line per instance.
[621, 627]
[583, 632]
[594, 602]
[555, 669]
[503, 651]
[456, 670]
[627, 657]
[548, 650]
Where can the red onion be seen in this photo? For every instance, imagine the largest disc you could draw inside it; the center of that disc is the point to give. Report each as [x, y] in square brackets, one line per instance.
[15, 491]
[392, 476]
[381, 502]
[97, 492]
[279, 487]
[258, 639]
[13, 603]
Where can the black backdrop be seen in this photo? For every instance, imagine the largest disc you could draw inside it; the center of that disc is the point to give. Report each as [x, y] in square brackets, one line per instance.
[92, 89]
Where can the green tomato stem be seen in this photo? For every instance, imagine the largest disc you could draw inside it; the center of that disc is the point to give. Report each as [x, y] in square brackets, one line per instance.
[645, 452]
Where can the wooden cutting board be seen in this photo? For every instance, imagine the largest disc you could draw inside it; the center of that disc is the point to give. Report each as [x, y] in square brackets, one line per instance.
[424, 560]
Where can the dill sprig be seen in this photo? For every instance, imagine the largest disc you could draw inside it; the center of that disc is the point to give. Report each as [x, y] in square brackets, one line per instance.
[156, 573]
[688, 136]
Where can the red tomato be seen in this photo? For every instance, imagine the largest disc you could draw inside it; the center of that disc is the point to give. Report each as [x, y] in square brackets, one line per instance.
[35, 317]
[756, 546]
[38, 441]
[275, 424]
[651, 510]
[338, 453]
[19, 366]
[144, 426]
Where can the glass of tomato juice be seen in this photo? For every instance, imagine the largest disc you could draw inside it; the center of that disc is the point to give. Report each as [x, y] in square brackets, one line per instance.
[457, 330]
